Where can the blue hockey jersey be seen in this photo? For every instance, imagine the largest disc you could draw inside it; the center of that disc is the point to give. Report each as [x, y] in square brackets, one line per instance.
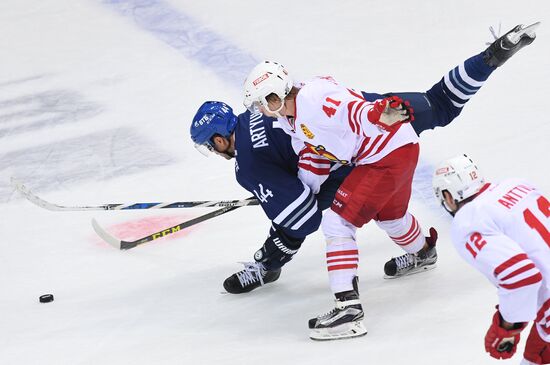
[267, 166]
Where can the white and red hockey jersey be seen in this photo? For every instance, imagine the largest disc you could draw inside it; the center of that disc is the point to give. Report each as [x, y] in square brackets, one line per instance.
[331, 121]
[505, 234]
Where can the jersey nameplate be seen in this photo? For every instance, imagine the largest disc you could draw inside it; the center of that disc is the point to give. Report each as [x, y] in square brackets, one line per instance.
[257, 131]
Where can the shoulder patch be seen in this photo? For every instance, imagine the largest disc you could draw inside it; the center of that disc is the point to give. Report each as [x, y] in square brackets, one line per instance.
[307, 132]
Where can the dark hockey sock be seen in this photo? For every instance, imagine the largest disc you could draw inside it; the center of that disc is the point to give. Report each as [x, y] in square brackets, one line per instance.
[441, 104]
[463, 81]
[456, 87]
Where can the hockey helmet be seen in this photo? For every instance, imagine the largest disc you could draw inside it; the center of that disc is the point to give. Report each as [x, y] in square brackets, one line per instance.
[460, 177]
[213, 118]
[266, 78]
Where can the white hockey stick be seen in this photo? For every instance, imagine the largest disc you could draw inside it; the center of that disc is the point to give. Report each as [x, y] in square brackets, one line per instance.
[30, 196]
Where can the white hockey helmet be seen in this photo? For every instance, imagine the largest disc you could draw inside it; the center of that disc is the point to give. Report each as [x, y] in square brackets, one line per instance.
[460, 177]
[266, 78]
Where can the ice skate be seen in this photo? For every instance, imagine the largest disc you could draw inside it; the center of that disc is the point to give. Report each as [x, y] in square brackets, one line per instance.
[413, 263]
[344, 321]
[506, 46]
[251, 277]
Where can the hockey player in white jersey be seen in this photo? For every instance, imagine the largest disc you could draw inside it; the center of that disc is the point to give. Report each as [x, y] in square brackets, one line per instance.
[375, 136]
[503, 230]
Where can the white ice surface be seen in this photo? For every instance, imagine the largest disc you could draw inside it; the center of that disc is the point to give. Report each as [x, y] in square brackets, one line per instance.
[96, 98]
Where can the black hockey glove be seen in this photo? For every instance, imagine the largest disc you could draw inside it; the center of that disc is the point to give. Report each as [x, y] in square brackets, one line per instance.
[278, 249]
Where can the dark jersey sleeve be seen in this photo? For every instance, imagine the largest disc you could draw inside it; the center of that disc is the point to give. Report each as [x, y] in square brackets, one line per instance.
[288, 203]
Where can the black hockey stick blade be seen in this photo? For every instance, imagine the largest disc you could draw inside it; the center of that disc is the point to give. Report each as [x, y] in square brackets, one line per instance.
[125, 245]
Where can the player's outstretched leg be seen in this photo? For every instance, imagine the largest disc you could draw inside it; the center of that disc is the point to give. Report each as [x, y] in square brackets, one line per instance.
[251, 277]
[413, 263]
[506, 46]
[444, 101]
[344, 321]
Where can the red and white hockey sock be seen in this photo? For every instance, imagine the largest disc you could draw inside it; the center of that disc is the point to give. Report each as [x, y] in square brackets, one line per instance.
[342, 263]
[405, 232]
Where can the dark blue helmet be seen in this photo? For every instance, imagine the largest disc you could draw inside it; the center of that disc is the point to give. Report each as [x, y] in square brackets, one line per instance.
[212, 118]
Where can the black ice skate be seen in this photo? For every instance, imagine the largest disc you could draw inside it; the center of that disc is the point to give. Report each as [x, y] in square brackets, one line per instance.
[253, 276]
[506, 46]
[344, 321]
[413, 263]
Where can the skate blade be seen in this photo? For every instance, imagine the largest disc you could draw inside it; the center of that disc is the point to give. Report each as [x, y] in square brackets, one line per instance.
[528, 30]
[343, 331]
[418, 270]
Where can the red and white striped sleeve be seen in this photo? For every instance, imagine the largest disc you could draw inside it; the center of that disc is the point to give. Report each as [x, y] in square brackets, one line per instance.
[508, 267]
[375, 142]
[313, 169]
[357, 110]
[516, 272]
[517, 278]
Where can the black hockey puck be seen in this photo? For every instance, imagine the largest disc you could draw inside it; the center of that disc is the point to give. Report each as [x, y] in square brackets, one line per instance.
[46, 298]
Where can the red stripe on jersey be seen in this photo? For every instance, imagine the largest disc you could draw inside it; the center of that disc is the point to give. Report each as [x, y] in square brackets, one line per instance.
[518, 271]
[525, 282]
[361, 114]
[542, 311]
[354, 259]
[363, 146]
[315, 159]
[354, 93]
[356, 115]
[342, 267]
[350, 120]
[366, 153]
[293, 124]
[542, 318]
[383, 144]
[510, 262]
[313, 169]
[342, 253]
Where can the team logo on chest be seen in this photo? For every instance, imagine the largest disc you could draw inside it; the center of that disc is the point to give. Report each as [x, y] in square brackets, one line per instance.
[307, 132]
[321, 151]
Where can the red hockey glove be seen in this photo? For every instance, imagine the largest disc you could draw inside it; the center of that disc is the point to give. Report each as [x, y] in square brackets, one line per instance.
[501, 343]
[536, 349]
[389, 111]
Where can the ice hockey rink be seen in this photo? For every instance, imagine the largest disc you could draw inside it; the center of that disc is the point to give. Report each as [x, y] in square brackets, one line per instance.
[96, 99]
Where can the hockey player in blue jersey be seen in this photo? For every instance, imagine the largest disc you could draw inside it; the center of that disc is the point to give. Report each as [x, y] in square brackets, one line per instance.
[294, 185]
[267, 166]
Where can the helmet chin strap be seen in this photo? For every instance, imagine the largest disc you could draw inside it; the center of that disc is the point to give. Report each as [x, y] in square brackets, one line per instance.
[277, 111]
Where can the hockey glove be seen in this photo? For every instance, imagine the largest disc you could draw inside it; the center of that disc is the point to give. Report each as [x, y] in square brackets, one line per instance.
[501, 343]
[389, 111]
[278, 249]
[537, 351]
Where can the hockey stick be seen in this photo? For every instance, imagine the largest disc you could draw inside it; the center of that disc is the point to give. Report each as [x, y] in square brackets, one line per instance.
[30, 196]
[125, 245]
